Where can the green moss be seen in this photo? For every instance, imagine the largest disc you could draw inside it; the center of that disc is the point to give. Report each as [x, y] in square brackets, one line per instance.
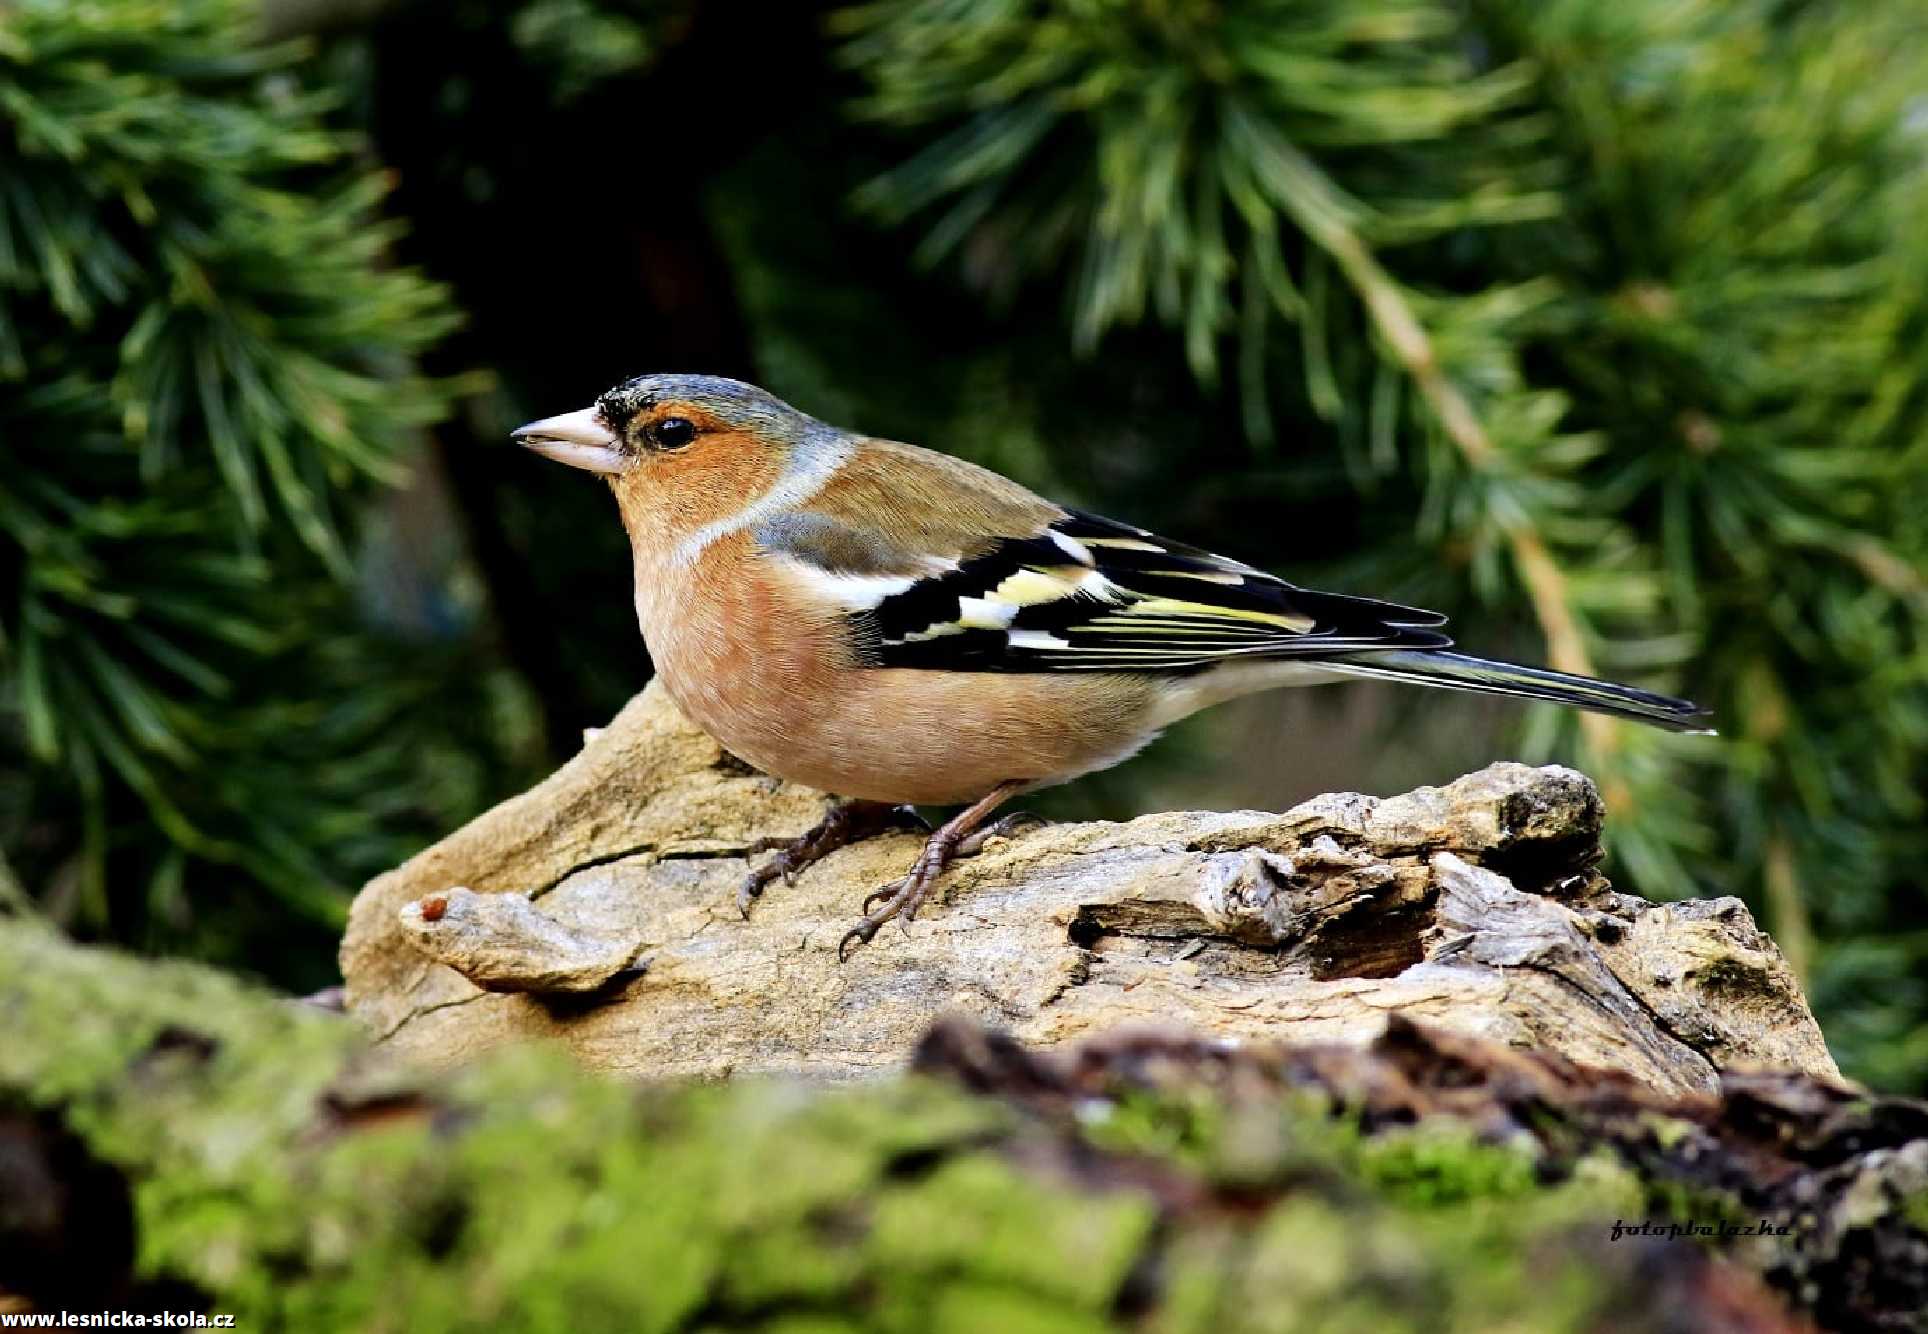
[1183, 1127]
[1668, 1131]
[969, 1307]
[1260, 1141]
[1664, 1199]
[1318, 1264]
[978, 1216]
[277, 1168]
[1438, 1164]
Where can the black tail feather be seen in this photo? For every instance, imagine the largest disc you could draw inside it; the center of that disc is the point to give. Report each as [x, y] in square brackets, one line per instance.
[1460, 671]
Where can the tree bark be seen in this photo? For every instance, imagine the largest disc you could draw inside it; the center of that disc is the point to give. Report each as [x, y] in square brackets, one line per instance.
[598, 911]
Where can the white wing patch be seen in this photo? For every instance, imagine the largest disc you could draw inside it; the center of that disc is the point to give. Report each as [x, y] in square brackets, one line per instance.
[1030, 587]
[933, 632]
[1034, 587]
[1073, 548]
[852, 592]
[985, 613]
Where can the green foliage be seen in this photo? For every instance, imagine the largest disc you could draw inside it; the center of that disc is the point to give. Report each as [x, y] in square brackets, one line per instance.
[582, 43]
[1598, 326]
[1159, 153]
[1625, 298]
[204, 365]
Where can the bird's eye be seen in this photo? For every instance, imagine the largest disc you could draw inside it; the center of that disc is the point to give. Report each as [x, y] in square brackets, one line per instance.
[672, 432]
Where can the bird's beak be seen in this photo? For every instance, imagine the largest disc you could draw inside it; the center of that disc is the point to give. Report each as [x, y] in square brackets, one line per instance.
[578, 439]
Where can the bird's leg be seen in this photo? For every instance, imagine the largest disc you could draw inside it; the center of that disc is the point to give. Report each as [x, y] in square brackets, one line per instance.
[845, 823]
[942, 848]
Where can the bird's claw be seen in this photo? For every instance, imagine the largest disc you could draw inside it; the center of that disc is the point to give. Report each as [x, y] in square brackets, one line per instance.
[901, 899]
[859, 934]
[792, 855]
[877, 895]
[841, 826]
[783, 866]
[752, 886]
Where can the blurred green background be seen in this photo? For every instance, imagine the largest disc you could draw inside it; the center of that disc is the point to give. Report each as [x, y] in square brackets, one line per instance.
[1603, 327]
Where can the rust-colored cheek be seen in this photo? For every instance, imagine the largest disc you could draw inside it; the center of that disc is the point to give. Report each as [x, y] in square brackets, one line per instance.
[670, 494]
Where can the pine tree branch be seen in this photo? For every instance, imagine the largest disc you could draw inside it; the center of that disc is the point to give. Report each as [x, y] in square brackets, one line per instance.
[1412, 347]
[1889, 571]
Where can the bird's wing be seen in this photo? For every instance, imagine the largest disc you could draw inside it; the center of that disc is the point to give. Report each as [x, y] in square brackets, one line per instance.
[1060, 591]
[1088, 594]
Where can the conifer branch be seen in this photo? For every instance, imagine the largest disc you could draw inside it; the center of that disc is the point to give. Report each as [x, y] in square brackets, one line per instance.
[1546, 584]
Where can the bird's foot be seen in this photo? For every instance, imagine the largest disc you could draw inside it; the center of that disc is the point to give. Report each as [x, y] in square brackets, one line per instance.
[1002, 827]
[844, 824]
[899, 898]
[960, 837]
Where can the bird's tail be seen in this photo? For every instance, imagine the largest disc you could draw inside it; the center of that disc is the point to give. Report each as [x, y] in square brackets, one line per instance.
[1459, 671]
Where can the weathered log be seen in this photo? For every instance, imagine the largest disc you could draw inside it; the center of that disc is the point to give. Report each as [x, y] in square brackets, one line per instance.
[598, 910]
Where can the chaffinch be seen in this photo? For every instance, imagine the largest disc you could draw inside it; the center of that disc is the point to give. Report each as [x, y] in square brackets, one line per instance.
[899, 627]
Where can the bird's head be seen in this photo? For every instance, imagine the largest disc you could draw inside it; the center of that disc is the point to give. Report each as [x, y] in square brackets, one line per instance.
[681, 451]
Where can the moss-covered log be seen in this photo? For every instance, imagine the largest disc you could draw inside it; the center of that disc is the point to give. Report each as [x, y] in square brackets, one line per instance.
[171, 1138]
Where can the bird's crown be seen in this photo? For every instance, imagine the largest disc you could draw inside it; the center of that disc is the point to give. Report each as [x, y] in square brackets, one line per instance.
[742, 406]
